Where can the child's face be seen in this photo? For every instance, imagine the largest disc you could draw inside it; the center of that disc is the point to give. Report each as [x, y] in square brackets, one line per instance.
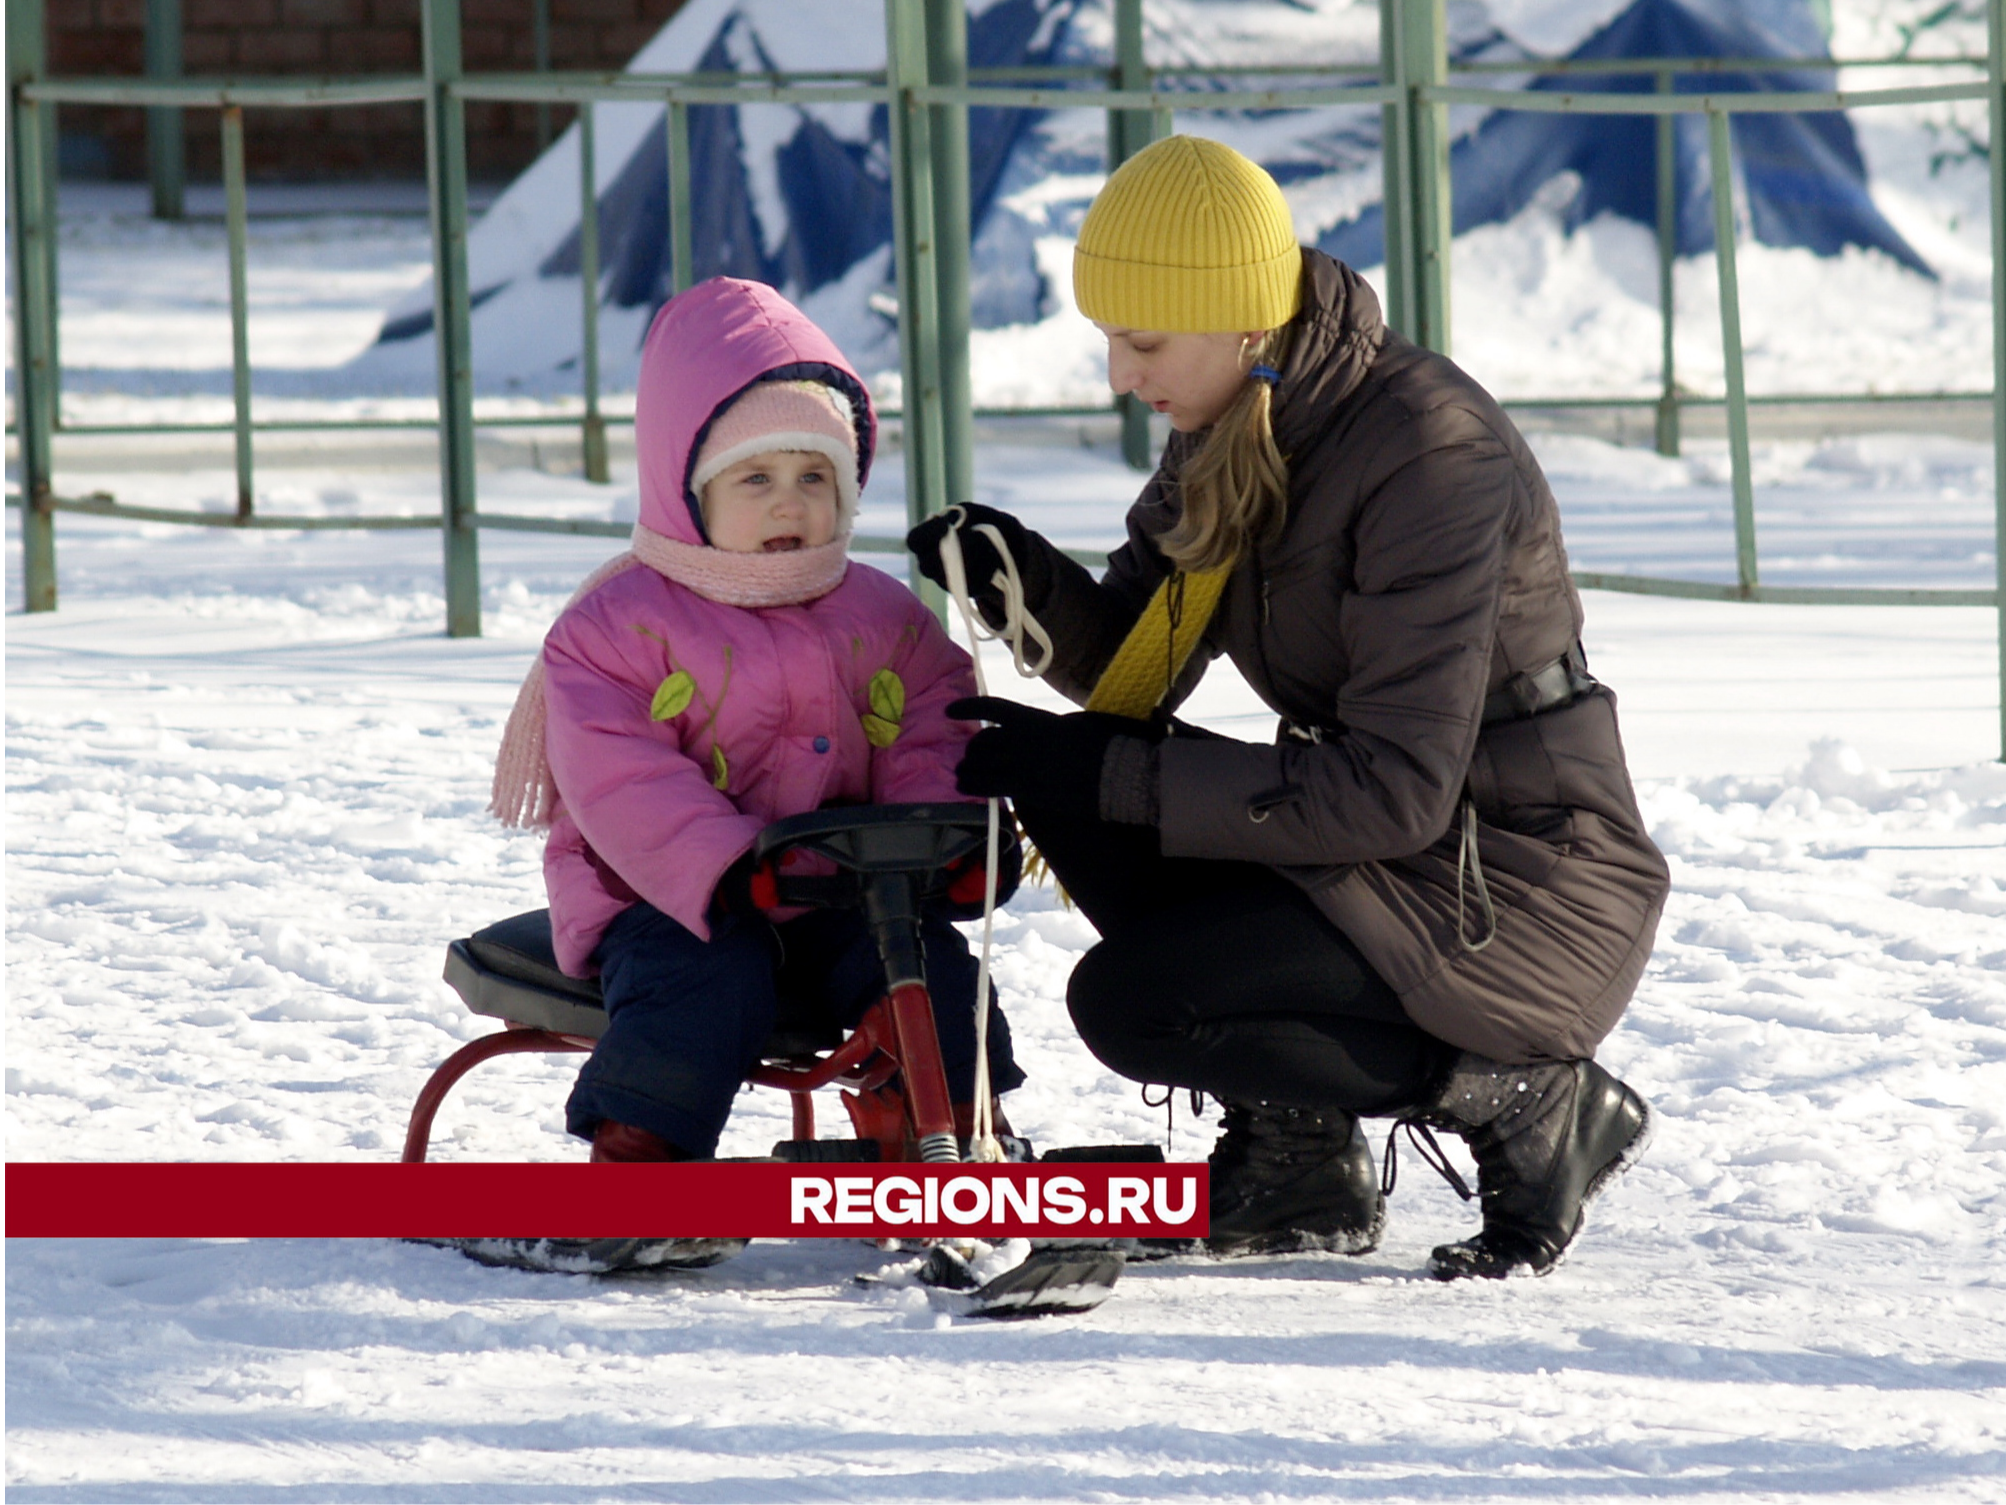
[772, 502]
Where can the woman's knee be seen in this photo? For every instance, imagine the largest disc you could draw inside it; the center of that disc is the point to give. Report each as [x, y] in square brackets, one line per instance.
[1117, 1012]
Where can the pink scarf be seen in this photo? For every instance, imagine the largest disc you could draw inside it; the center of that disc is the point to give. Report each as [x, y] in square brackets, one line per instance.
[524, 791]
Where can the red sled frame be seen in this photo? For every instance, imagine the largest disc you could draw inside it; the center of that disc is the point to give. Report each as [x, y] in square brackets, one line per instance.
[895, 1038]
[888, 859]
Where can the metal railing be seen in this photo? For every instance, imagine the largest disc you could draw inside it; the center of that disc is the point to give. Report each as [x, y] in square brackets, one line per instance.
[928, 90]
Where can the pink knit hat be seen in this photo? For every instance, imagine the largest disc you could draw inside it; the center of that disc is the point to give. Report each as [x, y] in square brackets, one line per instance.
[801, 416]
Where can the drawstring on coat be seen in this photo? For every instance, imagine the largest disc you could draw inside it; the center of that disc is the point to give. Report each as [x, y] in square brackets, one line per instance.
[1470, 873]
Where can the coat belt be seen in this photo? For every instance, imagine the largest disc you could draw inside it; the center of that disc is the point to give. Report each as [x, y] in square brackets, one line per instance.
[1547, 688]
[1529, 693]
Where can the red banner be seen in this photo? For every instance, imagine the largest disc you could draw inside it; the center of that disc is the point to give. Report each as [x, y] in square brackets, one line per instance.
[712, 1199]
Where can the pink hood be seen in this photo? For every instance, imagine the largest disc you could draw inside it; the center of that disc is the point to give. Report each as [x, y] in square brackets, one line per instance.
[679, 725]
[705, 347]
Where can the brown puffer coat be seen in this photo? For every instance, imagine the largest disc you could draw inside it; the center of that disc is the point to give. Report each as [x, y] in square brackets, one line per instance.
[1420, 569]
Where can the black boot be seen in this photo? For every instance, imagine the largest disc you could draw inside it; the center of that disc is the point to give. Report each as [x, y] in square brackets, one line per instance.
[1287, 1179]
[1546, 1139]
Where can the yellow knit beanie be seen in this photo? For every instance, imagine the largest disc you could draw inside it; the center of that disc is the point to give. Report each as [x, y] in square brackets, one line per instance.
[1188, 236]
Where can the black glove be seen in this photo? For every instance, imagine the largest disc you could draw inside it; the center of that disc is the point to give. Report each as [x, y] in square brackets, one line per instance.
[1050, 763]
[978, 553]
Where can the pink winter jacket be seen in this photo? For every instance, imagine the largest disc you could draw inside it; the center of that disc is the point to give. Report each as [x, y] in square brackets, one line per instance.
[775, 713]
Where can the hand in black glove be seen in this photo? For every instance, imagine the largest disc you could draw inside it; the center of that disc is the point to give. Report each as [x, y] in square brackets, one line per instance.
[1047, 762]
[978, 554]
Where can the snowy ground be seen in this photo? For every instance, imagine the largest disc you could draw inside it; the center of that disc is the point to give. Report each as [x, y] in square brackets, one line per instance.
[245, 783]
[245, 788]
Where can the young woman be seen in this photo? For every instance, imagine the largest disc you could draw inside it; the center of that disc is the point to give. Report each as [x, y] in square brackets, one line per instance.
[1432, 896]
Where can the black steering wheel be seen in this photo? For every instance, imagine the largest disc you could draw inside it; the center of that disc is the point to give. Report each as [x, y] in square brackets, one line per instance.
[866, 842]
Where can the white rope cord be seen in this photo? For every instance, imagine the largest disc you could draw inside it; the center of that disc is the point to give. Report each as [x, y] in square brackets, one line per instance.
[1018, 623]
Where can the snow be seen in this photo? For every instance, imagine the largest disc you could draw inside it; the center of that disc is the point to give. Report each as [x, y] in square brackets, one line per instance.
[246, 777]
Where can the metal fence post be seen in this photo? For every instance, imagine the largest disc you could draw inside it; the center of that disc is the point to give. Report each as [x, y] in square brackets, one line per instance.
[1425, 35]
[31, 229]
[1995, 99]
[947, 65]
[913, 230]
[592, 433]
[1668, 254]
[166, 148]
[1394, 173]
[682, 233]
[1128, 132]
[51, 125]
[446, 180]
[1722, 163]
[236, 217]
[539, 48]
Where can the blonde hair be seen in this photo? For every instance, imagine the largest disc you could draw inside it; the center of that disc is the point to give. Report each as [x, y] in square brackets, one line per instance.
[1235, 490]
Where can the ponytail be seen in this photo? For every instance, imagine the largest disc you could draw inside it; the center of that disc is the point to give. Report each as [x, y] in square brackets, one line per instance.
[1235, 490]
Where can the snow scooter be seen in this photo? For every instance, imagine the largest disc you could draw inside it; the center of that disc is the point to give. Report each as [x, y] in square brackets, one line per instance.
[887, 860]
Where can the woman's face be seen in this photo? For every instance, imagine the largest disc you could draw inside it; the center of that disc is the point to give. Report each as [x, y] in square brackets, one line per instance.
[773, 502]
[1189, 378]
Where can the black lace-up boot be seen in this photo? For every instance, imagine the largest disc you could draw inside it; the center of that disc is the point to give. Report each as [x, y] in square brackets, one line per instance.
[1547, 1138]
[1286, 1179]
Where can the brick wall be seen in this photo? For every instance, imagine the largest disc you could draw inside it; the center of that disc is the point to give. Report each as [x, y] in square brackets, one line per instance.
[322, 37]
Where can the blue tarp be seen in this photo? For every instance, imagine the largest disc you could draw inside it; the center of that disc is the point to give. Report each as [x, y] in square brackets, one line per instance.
[837, 192]
[1804, 178]
[803, 209]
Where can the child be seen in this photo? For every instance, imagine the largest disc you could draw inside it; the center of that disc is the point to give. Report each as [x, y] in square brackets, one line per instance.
[724, 684]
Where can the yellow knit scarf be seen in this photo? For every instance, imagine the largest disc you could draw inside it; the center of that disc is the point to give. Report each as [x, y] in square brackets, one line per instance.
[1150, 658]
[1146, 664]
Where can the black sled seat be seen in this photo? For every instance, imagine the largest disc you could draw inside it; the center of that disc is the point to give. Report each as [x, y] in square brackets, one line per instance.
[509, 972]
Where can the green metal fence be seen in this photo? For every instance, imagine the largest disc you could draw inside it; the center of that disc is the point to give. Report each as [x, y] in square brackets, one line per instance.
[927, 89]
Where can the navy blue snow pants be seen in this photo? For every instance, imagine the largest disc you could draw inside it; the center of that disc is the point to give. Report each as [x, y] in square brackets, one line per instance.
[686, 1019]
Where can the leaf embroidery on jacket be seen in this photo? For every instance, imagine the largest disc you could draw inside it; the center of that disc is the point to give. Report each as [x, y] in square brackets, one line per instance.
[673, 696]
[886, 693]
[885, 719]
